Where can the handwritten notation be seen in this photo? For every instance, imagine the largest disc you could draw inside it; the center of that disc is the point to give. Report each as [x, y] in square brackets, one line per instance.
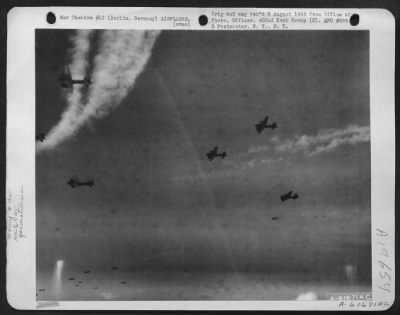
[385, 269]
[15, 215]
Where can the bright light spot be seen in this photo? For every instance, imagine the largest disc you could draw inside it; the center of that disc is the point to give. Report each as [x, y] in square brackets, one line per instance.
[351, 273]
[108, 295]
[57, 278]
[308, 296]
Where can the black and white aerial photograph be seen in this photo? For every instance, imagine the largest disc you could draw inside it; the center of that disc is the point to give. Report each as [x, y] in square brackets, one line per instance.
[202, 165]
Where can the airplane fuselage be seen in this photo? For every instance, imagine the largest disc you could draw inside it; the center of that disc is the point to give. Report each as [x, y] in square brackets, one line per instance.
[272, 126]
[74, 183]
[78, 81]
[66, 80]
[212, 155]
[221, 155]
[261, 126]
[289, 195]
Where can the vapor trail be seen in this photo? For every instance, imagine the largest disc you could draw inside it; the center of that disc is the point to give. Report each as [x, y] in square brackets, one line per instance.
[121, 58]
[78, 66]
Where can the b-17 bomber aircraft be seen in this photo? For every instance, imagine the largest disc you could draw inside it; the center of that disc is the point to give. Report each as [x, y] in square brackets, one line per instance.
[289, 195]
[214, 153]
[66, 81]
[263, 125]
[74, 182]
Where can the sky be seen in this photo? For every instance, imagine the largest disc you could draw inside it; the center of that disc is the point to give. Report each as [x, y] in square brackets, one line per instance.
[159, 205]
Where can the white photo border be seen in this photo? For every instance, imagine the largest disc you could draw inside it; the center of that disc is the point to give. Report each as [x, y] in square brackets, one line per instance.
[20, 180]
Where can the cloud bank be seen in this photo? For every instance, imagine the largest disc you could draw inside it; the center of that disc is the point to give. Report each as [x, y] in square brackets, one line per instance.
[324, 141]
[121, 57]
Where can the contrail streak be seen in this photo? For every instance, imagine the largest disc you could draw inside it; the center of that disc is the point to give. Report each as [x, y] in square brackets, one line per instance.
[122, 56]
[78, 66]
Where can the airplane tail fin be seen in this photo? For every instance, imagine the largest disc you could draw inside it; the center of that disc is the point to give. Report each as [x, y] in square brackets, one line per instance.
[87, 81]
[71, 183]
[223, 155]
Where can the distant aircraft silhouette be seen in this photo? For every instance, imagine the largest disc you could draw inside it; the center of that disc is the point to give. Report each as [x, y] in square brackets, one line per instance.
[274, 218]
[74, 182]
[289, 195]
[123, 282]
[42, 290]
[66, 81]
[40, 137]
[214, 153]
[263, 125]
[86, 271]
[71, 279]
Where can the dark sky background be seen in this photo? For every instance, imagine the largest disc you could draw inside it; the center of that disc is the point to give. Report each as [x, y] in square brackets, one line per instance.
[159, 205]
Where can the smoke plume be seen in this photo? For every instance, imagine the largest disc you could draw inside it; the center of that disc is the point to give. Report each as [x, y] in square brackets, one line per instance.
[121, 57]
[57, 279]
